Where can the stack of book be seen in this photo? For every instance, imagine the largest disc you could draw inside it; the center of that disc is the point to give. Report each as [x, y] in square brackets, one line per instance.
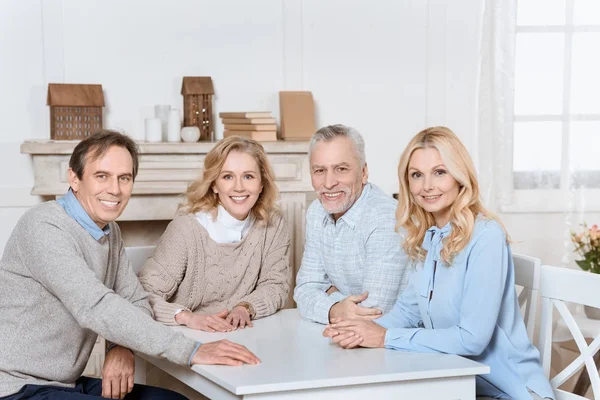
[259, 126]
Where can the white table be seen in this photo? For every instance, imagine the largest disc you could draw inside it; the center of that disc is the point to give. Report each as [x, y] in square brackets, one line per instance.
[299, 363]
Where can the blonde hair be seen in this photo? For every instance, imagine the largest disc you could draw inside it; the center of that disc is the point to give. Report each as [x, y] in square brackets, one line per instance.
[200, 196]
[466, 207]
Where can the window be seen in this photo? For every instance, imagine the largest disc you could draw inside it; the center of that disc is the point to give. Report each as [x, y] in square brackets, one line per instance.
[556, 121]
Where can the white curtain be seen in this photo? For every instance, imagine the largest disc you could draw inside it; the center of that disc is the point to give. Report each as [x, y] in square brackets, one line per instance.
[495, 102]
[495, 143]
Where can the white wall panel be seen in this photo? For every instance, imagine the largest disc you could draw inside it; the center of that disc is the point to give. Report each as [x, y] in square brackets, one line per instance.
[366, 67]
[141, 59]
[22, 105]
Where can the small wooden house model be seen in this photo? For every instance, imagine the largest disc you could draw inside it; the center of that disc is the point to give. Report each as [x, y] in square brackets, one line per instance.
[197, 94]
[75, 110]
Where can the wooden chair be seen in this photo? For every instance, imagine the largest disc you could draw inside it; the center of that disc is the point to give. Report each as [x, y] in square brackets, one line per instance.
[557, 286]
[138, 255]
[527, 275]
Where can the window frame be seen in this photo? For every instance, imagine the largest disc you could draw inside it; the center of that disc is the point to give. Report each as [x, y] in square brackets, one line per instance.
[562, 199]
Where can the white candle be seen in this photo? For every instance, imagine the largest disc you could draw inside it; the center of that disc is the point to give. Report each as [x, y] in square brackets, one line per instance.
[162, 112]
[174, 126]
[153, 130]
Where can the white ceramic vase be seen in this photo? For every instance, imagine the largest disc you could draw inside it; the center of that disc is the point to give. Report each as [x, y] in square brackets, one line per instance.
[190, 134]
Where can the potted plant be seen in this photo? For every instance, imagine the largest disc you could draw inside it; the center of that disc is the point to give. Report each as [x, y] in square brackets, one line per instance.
[587, 245]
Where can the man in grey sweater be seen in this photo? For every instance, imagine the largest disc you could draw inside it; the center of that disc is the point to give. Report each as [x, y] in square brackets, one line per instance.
[65, 279]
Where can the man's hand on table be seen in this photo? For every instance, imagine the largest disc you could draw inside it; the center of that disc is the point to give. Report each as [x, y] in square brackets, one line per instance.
[349, 309]
[117, 373]
[224, 352]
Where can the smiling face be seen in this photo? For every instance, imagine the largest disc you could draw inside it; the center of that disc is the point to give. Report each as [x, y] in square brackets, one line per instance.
[105, 185]
[336, 174]
[431, 185]
[239, 184]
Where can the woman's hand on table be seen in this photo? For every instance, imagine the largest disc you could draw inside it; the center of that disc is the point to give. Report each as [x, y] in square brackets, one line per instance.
[239, 316]
[208, 323]
[350, 333]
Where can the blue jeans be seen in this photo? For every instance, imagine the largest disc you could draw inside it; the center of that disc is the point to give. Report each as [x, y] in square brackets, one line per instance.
[89, 389]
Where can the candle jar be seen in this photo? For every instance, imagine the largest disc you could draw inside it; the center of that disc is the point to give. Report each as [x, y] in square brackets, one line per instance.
[161, 112]
[152, 130]
[174, 128]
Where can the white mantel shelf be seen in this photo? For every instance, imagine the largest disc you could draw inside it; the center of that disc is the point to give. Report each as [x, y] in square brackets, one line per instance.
[165, 168]
[67, 146]
[165, 171]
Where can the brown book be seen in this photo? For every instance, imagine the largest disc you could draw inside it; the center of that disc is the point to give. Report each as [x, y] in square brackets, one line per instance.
[246, 121]
[260, 136]
[251, 114]
[271, 127]
[297, 113]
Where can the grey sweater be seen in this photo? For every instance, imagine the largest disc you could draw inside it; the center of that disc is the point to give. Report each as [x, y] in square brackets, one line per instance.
[59, 289]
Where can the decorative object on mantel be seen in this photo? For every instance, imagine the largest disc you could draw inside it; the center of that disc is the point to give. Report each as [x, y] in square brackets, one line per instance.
[75, 110]
[257, 125]
[161, 111]
[587, 245]
[197, 94]
[297, 112]
[153, 130]
[174, 129]
[190, 134]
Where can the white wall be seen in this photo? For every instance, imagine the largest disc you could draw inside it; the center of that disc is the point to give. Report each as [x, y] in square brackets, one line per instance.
[389, 70]
[21, 105]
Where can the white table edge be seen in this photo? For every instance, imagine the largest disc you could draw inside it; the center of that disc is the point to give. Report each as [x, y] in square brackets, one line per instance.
[482, 369]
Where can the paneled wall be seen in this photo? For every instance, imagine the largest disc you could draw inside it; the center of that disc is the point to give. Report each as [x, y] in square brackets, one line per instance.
[388, 68]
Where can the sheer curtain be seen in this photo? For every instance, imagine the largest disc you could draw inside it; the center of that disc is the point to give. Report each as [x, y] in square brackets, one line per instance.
[496, 88]
[576, 198]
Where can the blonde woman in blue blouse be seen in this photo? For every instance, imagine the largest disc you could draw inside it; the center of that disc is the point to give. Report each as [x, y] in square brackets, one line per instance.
[461, 299]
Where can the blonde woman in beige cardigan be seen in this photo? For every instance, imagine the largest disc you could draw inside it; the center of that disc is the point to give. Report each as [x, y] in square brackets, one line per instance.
[224, 260]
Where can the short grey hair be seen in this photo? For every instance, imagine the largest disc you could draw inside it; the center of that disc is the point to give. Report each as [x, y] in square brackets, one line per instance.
[331, 132]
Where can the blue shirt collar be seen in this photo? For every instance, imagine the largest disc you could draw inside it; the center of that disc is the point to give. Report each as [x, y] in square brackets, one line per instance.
[351, 216]
[433, 243]
[75, 210]
[435, 235]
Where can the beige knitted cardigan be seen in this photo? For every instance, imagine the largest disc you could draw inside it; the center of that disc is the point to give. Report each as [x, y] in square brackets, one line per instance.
[190, 271]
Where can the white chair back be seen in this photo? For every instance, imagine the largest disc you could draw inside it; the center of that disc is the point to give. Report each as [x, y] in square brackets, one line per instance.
[527, 275]
[138, 255]
[557, 286]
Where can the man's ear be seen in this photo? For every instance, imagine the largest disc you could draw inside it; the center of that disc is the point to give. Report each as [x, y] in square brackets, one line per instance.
[365, 174]
[73, 180]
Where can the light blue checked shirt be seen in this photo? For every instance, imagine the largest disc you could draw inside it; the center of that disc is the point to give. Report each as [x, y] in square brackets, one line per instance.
[360, 253]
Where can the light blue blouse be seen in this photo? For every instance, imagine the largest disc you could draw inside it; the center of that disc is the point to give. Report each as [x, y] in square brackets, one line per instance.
[470, 309]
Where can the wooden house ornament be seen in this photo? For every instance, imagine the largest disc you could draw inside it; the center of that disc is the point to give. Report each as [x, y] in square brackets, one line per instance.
[75, 110]
[197, 94]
